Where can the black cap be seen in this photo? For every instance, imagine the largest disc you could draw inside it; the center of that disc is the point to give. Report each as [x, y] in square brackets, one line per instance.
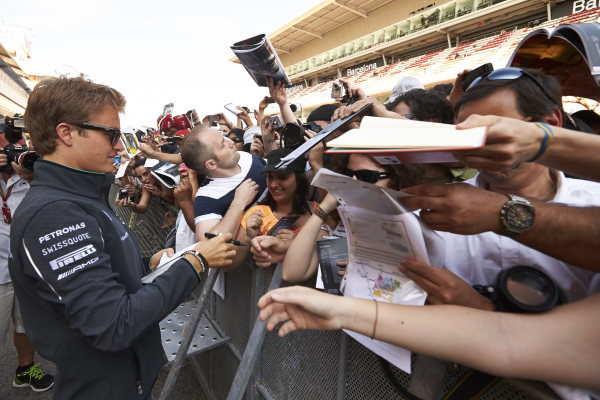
[322, 113]
[274, 158]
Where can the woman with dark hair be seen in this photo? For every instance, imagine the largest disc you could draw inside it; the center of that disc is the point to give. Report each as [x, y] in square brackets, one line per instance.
[301, 262]
[284, 208]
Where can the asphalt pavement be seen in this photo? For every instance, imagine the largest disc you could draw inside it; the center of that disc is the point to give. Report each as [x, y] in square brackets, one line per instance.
[186, 387]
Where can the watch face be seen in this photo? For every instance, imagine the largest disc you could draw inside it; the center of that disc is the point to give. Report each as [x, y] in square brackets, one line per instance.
[519, 216]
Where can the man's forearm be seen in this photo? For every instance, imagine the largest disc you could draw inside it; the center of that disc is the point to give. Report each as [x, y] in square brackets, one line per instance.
[571, 234]
[230, 223]
[286, 113]
[574, 152]
[166, 157]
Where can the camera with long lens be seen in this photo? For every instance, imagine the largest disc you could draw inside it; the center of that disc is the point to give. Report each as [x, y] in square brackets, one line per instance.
[523, 289]
[296, 108]
[14, 127]
[20, 155]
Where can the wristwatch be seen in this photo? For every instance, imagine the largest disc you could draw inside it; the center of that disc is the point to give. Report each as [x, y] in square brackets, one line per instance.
[199, 257]
[517, 215]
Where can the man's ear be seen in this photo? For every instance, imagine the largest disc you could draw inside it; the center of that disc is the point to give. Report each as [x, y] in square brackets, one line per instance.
[65, 133]
[210, 165]
[554, 118]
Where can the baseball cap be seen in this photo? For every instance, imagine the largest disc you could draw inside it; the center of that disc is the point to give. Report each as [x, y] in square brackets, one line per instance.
[181, 122]
[166, 123]
[274, 158]
[405, 85]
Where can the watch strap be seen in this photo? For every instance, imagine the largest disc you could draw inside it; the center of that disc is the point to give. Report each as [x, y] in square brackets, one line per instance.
[511, 230]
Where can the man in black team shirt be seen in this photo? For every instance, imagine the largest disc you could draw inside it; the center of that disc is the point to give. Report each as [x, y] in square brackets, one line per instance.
[75, 267]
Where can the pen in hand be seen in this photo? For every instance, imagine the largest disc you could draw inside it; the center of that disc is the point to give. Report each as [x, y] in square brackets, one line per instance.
[209, 235]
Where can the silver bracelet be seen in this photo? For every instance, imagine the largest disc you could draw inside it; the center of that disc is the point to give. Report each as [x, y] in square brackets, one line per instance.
[199, 257]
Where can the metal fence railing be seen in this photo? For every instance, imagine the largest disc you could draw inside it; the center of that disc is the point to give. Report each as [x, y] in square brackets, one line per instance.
[304, 364]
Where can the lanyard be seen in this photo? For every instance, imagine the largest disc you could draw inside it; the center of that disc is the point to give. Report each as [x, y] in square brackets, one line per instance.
[5, 209]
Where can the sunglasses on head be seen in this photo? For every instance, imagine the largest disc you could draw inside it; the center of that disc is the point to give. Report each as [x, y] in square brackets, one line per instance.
[236, 139]
[366, 175]
[114, 133]
[510, 73]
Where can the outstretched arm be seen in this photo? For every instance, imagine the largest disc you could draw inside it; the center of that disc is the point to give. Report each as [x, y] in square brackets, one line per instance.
[510, 142]
[301, 260]
[558, 346]
[567, 233]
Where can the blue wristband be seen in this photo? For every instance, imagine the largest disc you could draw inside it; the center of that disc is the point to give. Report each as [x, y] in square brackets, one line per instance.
[548, 135]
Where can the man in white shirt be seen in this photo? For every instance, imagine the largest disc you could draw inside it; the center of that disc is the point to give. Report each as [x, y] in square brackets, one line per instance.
[12, 191]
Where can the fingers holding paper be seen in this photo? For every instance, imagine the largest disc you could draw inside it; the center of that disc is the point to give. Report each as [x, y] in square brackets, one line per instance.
[443, 286]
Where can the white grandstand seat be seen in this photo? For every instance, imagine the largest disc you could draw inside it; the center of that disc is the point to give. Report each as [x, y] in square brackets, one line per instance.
[437, 65]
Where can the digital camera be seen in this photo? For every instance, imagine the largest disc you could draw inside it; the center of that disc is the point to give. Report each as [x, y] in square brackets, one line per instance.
[20, 155]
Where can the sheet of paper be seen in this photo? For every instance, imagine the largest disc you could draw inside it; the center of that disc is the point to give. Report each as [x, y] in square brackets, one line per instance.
[164, 265]
[219, 286]
[231, 108]
[121, 170]
[434, 137]
[380, 233]
[397, 356]
[377, 243]
[357, 193]
[150, 162]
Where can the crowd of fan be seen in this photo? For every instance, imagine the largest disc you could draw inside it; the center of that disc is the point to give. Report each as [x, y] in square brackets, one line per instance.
[230, 184]
[528, 198]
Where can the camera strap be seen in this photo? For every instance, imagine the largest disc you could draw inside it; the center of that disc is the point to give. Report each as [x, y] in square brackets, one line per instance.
[5, 209]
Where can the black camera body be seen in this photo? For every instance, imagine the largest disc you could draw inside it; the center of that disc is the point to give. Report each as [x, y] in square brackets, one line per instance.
[14, 127]
[276, 122]
[124, 194]
[171, 147]
[20, 155]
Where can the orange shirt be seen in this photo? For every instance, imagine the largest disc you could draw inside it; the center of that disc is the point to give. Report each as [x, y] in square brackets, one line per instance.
[269, 220]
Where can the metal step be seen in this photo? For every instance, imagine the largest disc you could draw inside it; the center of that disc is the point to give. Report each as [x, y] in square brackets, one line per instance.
[174, 326]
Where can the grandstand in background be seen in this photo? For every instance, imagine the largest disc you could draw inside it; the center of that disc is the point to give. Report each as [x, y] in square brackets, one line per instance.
[375, 43]
[15, 86]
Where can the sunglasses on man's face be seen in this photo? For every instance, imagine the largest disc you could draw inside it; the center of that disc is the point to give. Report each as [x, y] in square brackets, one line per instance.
[366, 175]
[113, 133]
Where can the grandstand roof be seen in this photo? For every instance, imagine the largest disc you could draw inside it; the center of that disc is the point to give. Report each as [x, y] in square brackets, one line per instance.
[13, 69]
[322, 18]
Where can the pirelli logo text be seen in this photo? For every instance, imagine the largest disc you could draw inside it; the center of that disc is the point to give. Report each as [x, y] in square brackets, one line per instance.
[72, 257]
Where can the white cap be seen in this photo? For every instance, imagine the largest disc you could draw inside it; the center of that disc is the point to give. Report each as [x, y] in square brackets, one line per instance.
[405, 85]
[249, 134]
